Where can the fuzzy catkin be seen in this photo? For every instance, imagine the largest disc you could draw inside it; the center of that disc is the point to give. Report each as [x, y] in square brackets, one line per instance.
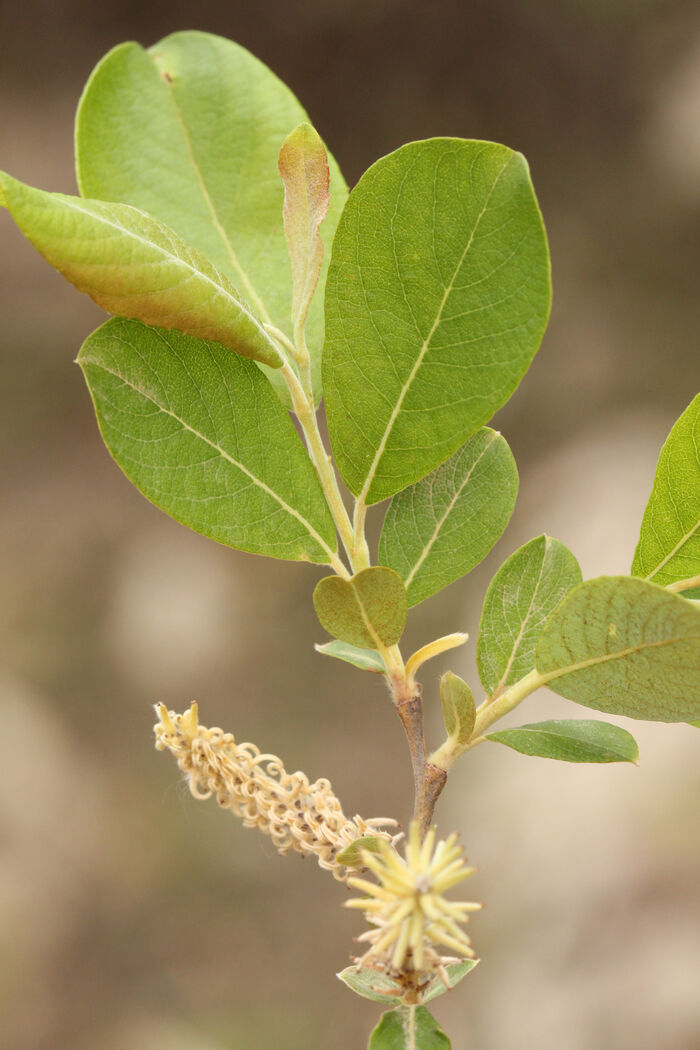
[298, 815]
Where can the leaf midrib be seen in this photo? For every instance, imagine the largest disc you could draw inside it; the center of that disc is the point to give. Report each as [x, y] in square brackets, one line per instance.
[209, 204]
[426, 342]
[176, 259]
[549, 676]
[438, 528]
[222, 452]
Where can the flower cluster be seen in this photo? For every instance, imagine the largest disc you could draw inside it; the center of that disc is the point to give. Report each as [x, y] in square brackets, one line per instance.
[298, 815]
[411, 920]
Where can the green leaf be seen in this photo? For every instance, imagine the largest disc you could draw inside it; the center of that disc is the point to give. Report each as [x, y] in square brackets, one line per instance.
[458, 708]
[368, 611]
[303, 167]
[408, 1028]
[445, 524]
[370, 984]
[365, 659]
[696, 724]
[524, 592]
[352, 854]
[201, 433]
[133, 265]
[190, 131]
[455, 972]
[669, 543]
[437, 297]
[626, 647]
[571, 741]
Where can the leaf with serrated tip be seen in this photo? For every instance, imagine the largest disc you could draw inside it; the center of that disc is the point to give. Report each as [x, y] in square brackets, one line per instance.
[524, 592]
[134, 266]
[571, 741]
[627, 647]
[440, 528]
[201, 433]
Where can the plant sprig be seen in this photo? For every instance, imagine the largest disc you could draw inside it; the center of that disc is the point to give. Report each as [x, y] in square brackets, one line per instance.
[247, 285]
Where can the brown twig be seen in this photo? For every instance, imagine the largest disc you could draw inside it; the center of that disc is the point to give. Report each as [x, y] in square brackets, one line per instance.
[428, 780]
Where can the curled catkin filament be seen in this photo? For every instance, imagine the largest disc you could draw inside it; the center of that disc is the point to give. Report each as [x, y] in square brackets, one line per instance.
[296, 814]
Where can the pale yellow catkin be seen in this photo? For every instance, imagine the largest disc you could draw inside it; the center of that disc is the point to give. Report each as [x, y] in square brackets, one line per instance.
[296, 814]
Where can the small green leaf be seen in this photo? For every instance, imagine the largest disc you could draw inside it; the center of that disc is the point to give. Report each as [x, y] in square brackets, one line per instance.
[458, 708]
[190, 131]
[627, 647]
[365, 659]
[303, 167]
[571, 741]
[370, 985]
[669, 544]
[352, 854]
[440, 528]
[437, 297]
[368, 611]
[524, 592]
[133, 265]
[408, 1028]
[201, 433]
[455, 972]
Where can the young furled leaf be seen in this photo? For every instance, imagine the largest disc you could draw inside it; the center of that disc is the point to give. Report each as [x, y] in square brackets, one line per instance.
[201, 433]
[440, 528]
[524, 592]
[437, 297]
[408, 1028]
[458, 708]
[669, 544]
[303, 166]
[368, 610]
[190, 131]
[627, 647]
[571, 741]
[133, 265]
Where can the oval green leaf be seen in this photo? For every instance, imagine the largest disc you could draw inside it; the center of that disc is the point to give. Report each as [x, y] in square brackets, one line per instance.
[190, 131]
[627, 647]
[571, 741]
[201, 433]
[437, 298]
[303, 168]
[440, 528]
[368, 611]
[370, 984]
[456, 972]
[408, 1028]
[352, 854]
[458, 708]
[133, 265]
[364, 659]
[522, 595]
[669, 544]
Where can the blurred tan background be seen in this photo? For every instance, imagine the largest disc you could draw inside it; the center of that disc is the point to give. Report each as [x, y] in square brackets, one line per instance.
[133, 917]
